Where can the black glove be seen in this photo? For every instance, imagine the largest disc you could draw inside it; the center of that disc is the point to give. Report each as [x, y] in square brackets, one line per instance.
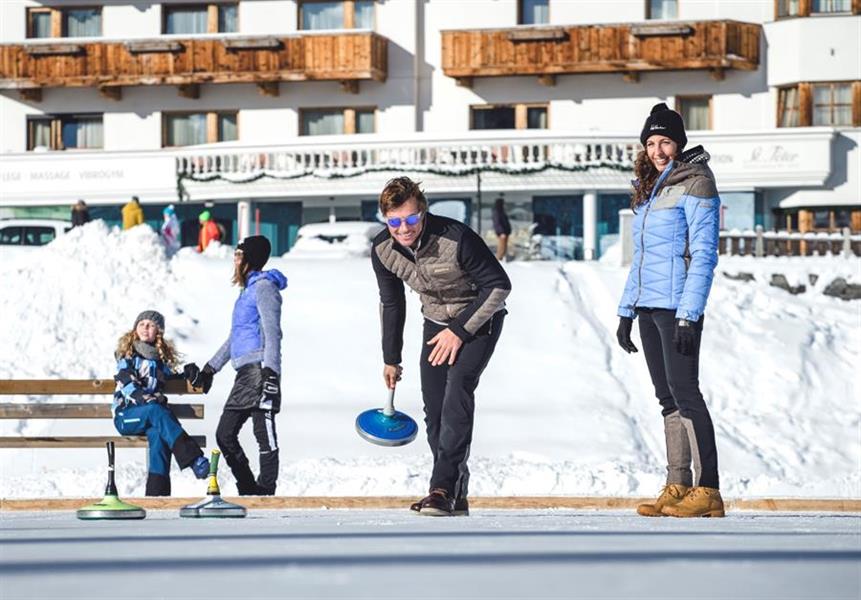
[158, 398]
[199, 378]
[271, 396]
[685, 337]
[623, 334]
[190, 372]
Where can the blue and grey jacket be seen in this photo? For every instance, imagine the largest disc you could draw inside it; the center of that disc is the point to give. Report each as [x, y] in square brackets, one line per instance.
[138, 380]
[675, 241]
[255, 330]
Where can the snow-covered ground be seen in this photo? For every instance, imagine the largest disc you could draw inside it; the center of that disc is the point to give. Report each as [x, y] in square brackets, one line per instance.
[560, 410]
[393, 554]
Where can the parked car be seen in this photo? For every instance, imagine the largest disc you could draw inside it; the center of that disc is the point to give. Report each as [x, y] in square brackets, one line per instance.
[341, 239]
[23, 235]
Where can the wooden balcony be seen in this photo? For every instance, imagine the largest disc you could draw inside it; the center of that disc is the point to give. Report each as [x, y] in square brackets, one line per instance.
[629, 49]
[347, 57]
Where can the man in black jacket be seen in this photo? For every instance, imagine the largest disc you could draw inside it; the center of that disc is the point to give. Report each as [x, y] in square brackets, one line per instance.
[462, 289]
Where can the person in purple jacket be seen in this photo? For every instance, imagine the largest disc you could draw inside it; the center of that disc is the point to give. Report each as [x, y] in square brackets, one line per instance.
[254, 350]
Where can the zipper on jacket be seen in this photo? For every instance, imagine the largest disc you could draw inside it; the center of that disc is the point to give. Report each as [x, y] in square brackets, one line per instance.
[643, 231]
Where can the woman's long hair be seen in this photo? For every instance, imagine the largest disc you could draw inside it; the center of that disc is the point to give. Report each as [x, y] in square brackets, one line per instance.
[240, 272]
[167, 352]
[646, 175]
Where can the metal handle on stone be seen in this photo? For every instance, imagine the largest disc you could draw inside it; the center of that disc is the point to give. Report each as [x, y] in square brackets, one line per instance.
[389, 408]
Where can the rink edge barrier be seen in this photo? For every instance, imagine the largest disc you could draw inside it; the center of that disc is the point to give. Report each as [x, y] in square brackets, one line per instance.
[479, 502]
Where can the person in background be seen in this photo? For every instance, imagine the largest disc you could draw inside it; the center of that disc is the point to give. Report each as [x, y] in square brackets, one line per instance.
[502, 227]
[80, 213]
[253, 348]
[170, 230]
[208, 231]
[675, 230]
[132, 213]
[145, 360]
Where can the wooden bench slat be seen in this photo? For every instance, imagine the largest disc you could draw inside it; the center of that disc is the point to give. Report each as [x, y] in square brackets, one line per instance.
[82, 442]
[84, 411]
[58, 387]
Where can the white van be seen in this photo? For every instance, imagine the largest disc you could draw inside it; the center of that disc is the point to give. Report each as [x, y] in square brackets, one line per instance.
[22, 236]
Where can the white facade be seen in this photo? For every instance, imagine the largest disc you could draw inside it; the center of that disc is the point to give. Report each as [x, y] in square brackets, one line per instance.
[418, 102]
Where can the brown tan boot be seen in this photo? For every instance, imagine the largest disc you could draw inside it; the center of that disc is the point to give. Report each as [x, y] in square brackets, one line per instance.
[671, 494]
[698, 502]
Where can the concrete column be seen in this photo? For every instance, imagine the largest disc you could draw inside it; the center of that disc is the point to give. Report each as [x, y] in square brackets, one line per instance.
[243, 218]
[626, 221]
[590, 225]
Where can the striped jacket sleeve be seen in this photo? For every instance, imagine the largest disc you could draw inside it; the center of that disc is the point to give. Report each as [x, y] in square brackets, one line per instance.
[127, 382]
[486, 272]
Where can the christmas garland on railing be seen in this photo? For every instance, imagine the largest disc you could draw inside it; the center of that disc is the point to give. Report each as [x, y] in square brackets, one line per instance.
[348, 172]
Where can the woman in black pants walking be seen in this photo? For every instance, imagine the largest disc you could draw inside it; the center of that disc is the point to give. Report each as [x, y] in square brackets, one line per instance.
[675, 231]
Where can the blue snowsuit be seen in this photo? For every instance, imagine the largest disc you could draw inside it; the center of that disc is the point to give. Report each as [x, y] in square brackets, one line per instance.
[137, 411]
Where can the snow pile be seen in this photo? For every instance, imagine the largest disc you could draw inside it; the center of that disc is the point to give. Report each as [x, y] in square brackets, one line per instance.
[65, 306]
[560, 409]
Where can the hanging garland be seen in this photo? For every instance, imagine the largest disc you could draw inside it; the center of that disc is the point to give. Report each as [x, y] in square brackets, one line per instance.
[346, 173]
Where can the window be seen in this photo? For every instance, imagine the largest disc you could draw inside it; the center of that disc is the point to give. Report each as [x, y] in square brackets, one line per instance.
[38, 236]
[65, 132]
[508, 116]
[662, 10]
[830, 6]
[533, 12]
[787, 107]
[330, 14]
[64, 22]
[788, 8]
[189, 19]
[11, 236]
[187, 129]
[832, 104]
[805, 8]
[695, 111]
[336, 121]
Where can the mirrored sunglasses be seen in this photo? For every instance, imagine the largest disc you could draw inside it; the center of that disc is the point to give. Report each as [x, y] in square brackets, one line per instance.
[411, 220]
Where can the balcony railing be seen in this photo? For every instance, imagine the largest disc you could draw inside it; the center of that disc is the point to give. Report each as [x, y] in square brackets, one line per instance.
[508, 152]
[348, 56]
[630, 49]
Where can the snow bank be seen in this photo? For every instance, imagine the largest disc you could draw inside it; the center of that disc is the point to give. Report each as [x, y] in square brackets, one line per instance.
[342, 239]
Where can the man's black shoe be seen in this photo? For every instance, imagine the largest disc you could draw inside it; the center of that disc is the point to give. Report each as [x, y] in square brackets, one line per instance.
[461, 507]
[437, 504]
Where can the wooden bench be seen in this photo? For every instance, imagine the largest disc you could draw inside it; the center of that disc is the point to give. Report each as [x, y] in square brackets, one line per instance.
[96, 410]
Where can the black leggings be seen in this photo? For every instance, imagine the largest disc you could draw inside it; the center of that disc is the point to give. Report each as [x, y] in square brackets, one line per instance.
[227, 436]
[676, 380]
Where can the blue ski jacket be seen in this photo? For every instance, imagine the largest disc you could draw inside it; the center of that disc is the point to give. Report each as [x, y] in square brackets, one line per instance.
[675, 237]
[255, 331]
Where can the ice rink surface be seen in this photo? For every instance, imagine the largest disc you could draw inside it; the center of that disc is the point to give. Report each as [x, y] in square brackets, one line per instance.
[395, 554]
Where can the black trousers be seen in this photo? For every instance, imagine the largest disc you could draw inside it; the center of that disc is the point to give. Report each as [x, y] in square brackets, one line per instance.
[448, 393]
[227, 437]
[677, 387]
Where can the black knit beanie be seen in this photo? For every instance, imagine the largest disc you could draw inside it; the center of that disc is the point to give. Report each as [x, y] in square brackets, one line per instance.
[150, 315]
[256, 249]
[666, 122]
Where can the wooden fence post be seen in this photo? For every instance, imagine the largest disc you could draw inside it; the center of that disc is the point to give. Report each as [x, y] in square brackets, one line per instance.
[847, 243]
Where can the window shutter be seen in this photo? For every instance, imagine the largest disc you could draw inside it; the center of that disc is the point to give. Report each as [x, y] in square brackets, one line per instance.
[805, 105]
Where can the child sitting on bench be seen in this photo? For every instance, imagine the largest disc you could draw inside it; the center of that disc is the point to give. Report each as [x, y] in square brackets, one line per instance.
[145, 360]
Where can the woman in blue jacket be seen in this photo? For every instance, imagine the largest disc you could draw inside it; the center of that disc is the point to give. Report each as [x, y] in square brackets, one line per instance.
[254, 350]
[675, 232]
